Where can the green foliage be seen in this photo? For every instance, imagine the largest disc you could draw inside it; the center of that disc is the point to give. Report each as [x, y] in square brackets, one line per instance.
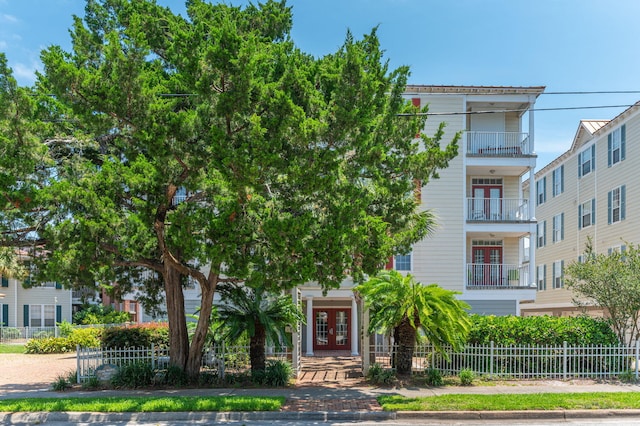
[10, 333]
[92, 384]
[433, 377]
[540, 330]
[85, 337]
[173, 376]
[60, 384]
[628, 376]
[378, 375]
[133, 376]
[278, 373]
[65, 328]
[49, 345]
[610, 281]
[289, 168]
[467, 377]
[136, 336]
[100, 314]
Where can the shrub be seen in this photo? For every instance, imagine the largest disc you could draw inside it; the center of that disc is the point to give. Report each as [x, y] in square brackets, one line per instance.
[628, 376]
[65, 328]
[467, 377]
[49, 345]
[136, 336]
[92, 384]
[100, 314]
[434, 377]
[540, 330]
[132, 376]
[174, 376]
[85, 337]
[379, 376]
[60, 384]
[278, 373]
[10, 333]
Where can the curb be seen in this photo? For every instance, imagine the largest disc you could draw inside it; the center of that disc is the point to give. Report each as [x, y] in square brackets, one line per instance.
[87, 417]
[518, 414]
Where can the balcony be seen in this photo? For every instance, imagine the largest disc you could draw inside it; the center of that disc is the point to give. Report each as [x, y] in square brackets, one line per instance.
[497, 210]
[484, 276]
[498, 144]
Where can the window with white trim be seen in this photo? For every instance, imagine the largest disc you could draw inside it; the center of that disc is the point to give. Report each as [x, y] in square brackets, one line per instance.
[541, 190]
[558, 274]
[616, 146]
[558, 227]
[403, 262]
[42, 315]
[541, 277]
[616, 204]
[587, 161]
[558, 181]
[587, 213]
[541, 231]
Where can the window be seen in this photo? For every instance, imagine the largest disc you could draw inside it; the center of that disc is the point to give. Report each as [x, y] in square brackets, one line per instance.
[616, 204]
[617, 249]
[403, 262]
[542, 238]
[42, 315]
[587, 214]
[558, 227]
[587, 161]
[525, 249]
[541, 190]
[616, 146]
[542, 277]
[558, 181]
[558, 274]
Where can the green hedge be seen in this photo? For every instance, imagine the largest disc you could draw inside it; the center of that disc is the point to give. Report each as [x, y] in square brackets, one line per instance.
[136, 336]
[540, 330]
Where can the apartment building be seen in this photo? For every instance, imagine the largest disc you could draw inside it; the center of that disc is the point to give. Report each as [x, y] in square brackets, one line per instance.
[587, 192]
[34, 307]
[479, 248]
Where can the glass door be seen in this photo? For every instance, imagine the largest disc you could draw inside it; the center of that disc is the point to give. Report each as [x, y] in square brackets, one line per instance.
[331, 329]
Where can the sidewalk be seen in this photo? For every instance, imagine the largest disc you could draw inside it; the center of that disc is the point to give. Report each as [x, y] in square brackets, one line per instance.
[323, 403]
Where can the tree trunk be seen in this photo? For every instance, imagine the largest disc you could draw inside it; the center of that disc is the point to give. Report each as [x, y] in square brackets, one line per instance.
[406, 343]
[202, 329]
[256, 350]
[178, 336]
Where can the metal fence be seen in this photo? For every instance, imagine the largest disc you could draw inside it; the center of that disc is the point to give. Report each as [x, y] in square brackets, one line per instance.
[20, 334]
[219, 360]
[523, 362]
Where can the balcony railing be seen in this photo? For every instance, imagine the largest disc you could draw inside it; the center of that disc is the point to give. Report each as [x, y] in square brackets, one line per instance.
[497, 210]
[496, 276]
[498, 144]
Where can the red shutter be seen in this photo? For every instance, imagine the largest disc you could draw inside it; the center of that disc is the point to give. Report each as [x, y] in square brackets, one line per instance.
[416, 103]
[389, 264]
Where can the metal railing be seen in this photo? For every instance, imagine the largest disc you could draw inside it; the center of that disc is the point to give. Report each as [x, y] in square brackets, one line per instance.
[497, 210]
[499, 275]
[523, 362]
[219, 360]
[498, 144]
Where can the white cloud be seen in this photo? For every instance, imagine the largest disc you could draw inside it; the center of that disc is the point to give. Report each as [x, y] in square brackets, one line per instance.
[3, 45]
[25, 74]
[8, 18]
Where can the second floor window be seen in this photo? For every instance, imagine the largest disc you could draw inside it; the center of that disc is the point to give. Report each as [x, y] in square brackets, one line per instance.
[558, 227]
[587, 214]
[616, 204]
[542, 238]
[587, 161]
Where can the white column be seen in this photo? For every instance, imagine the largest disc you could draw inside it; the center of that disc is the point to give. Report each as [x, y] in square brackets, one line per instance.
[532, 196]
[354, 327]
[310, 324]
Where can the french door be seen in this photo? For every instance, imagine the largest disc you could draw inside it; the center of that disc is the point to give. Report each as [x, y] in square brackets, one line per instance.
[487, 266]
[331, 330]
[487, 202]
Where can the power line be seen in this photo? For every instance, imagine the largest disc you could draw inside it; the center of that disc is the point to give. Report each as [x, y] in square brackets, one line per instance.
[502, 111]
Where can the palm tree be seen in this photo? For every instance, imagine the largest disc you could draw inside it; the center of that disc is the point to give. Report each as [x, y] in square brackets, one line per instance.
[263, 315]
[410, 310]
[10, 265]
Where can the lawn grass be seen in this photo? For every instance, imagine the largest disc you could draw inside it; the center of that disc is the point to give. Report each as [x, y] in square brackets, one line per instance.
[510, 402]
[11, 349]
[144, 404]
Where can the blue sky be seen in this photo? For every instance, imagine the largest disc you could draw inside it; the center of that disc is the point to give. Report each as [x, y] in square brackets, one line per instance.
[565, 45]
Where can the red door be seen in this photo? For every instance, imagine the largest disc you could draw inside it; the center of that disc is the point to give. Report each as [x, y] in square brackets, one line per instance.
[487, 266]
[487, 202]
[331, 329]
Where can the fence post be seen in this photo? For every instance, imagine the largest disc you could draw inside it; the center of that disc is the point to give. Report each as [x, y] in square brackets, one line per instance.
[637, 357]
[564, 360]
[492, 352]
[78, 363]
[223, 361]
[153, 357]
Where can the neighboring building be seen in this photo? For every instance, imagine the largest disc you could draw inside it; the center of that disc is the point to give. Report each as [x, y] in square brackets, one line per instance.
[480, 247]
[587, 192]
[41, 306]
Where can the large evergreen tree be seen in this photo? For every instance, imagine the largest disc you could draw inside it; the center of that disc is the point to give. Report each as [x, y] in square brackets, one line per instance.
[209, 149]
